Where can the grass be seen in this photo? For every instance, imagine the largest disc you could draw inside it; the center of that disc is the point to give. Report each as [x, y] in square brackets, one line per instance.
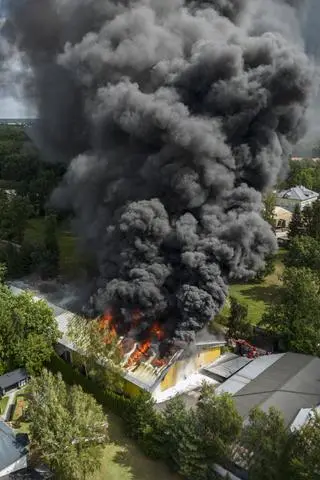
[70, 262]
[112, 467]
[129, 455]
[257, 296]
[3, 404]
[21, 426]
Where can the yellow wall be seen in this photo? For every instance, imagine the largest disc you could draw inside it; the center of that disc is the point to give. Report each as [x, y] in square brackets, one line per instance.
[131, 389]
[171, 377]
[178, 370]
[208, 356]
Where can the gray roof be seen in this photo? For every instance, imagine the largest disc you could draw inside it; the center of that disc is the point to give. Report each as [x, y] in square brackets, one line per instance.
[289, 384]
[11, 378]
[299, 193]
[10, 449]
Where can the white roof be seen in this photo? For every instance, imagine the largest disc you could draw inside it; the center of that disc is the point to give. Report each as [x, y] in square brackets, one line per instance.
[304, 415]
[192, 382]
[299, 193]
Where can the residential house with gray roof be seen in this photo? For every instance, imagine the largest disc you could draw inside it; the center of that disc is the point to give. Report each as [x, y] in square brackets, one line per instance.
[298, 195]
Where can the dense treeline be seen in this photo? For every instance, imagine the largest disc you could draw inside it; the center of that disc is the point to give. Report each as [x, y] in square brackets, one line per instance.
[296, 318]
[22, 167]
[303, 172]
[26, 183]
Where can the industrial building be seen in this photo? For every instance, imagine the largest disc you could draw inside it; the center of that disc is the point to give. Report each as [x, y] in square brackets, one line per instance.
[163, 378]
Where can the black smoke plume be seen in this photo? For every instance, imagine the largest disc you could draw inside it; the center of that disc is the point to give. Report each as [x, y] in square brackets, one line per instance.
[174, 117]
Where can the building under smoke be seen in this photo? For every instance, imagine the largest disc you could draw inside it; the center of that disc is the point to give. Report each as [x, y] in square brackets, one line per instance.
[173, 117]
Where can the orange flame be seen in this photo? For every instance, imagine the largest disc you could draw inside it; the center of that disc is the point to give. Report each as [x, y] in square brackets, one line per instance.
[159, 362]
[139, 353]
[105, 323]
[157, 331]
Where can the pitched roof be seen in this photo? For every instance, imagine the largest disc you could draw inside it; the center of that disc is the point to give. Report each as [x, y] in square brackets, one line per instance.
[11, 449]
[288, 382]
[11, 378]
[299, 192]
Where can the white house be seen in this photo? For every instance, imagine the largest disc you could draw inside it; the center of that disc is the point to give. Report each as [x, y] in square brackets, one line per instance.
[298, 195]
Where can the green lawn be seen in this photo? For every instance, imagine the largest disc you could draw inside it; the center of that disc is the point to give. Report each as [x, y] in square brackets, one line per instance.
[3, 404]
[112, 467]
[257, 296]
[70, 262]
[18, 421]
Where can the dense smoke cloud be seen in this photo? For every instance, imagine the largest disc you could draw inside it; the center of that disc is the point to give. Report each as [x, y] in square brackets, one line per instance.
[174, 115]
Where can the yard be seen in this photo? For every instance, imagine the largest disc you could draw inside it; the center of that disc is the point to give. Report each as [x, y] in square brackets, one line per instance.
[122, 458]
[112, 467]
[3, 404]
[70, 262]
[257, 296]
[18, 420]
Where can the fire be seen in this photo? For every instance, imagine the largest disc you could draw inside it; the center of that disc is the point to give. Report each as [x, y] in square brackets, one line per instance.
[139, 353]
[105, 323]
[106, 320]
[159, 362]
[157, 331]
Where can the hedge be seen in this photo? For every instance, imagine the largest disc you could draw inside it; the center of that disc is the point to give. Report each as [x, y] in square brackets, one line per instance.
[118, 404]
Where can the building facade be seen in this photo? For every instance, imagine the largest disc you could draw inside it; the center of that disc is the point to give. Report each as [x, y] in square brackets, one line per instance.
[299, 195]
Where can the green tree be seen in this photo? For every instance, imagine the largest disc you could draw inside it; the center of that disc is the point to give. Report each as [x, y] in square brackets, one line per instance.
[263, 445]
[100, 352]
[311, 216]
[268, 214]
[68, 428]
[172, 424]
[51, 252]
[296, 318]
[304, 252]
[296, 226]
[3, 273]
[14, 214]
[238, 324]
[28, 331]
[194, 440]
[219, 424]
[304, 461]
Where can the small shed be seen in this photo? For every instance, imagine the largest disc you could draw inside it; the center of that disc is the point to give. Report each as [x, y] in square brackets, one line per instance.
[15, 379]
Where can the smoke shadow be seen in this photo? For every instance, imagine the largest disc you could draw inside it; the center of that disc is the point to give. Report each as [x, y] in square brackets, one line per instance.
[266, 293]
[142, 467]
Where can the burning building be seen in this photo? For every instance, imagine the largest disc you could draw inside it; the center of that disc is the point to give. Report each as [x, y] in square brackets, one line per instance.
[143, 366]
[172, 117]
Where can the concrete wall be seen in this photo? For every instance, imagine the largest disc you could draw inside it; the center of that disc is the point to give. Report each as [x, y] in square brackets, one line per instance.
[290, 204]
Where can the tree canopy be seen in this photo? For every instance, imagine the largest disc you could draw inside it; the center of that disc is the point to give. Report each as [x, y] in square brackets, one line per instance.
[263, 445]
[194, 440]
[305, 172]
[97, 347]
[68, 428]
[304, 251]
[296, 318]
[28, 331]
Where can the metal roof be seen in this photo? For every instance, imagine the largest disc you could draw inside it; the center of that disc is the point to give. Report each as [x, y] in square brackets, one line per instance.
[289, 383]
[9, 379]
[228, 368]
[299, 192]
[10, 449]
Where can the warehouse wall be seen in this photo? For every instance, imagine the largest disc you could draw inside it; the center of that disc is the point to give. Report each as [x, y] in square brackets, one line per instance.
[181, 369]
